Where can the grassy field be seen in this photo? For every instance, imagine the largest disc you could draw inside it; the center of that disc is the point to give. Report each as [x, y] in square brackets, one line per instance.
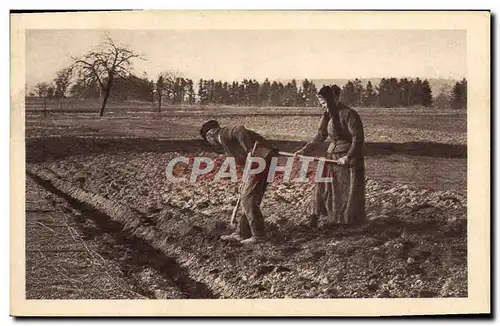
[109, 173]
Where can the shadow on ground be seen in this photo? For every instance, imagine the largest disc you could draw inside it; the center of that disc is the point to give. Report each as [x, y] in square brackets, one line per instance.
[130, 251]
[49, 148]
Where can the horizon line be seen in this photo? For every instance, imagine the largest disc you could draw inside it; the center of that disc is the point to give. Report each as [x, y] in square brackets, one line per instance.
[181, 75]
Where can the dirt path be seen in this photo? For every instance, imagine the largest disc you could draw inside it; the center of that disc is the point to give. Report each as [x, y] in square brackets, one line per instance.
[75, 254]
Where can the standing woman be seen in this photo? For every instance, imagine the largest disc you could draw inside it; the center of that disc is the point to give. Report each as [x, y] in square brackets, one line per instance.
[342, 199]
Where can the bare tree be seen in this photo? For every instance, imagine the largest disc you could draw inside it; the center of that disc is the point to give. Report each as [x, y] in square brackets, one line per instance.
[165, 86]
[62, 82]
[51, 91]
[103, 65]
[41, 90]
[160, 90]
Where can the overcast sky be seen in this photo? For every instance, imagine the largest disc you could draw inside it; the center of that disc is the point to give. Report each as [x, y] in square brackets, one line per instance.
[276, 54]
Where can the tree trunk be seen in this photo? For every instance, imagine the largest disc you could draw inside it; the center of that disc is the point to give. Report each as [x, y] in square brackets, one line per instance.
[45, 107]
[104, 101]
[159, 103]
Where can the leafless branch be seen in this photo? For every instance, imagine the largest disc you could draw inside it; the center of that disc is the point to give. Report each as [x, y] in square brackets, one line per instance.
[108, 61]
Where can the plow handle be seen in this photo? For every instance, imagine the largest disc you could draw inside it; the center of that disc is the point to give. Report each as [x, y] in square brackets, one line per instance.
[310, 157]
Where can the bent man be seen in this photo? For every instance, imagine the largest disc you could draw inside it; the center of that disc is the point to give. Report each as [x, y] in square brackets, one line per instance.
[238, 142]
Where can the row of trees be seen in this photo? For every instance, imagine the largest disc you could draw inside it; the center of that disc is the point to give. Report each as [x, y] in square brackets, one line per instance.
[390, 92]
[108, 67]
[168, 89]
[251, 92]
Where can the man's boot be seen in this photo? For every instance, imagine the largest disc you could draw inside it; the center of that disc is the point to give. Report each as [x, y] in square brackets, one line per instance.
[232, 237]
[311, 221]
[252, 240]
[242, 231]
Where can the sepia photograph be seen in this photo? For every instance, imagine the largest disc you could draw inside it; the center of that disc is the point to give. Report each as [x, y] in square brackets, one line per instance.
[244, 156]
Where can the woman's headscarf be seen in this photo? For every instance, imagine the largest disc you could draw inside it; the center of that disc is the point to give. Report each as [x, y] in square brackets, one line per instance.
[330, 93]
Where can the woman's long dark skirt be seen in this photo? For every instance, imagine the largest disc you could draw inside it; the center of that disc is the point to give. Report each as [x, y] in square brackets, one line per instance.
[343, 199]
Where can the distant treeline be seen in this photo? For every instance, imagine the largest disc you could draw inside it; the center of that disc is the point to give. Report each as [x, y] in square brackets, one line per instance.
[390, 92]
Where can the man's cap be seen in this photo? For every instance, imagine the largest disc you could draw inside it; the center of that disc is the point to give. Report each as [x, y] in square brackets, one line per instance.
[210, 124]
